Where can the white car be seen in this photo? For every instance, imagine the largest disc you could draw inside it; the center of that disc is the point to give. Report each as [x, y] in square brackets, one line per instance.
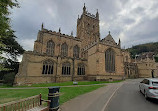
[149, 87]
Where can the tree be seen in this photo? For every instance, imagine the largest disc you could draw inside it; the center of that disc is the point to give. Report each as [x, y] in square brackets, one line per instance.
[148, 47]
[8, 44]
[156, 58]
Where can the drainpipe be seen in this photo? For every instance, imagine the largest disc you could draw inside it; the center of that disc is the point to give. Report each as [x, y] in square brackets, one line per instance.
[56, 69]
[73, 71]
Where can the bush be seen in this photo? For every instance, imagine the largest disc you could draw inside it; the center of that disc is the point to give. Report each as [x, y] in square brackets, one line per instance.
[9, 78]
[156, 59]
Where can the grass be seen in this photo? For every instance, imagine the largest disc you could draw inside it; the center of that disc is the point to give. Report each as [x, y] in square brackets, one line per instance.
[67, 93]
[69, 83]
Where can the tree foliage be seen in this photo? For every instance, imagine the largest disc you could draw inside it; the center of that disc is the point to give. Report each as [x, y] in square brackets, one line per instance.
[156, 58]
[9, 47]
[148, 47]
[8, 44]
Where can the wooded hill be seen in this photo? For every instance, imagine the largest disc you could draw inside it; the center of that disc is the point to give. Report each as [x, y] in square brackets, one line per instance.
[148, 47]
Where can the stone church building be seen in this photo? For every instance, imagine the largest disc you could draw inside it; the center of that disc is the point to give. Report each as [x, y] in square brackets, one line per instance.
[58, 57]
[147, 65]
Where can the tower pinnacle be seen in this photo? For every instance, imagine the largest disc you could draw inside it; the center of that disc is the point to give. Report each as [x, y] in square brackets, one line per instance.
[97, 15]
[42, 26]
[71, 33]
[119, 43]
[59, 30]
[84, 8]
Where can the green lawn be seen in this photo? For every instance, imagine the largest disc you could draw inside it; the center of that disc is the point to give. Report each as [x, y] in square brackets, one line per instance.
[67, 93]
[70, 83]
[65, 84]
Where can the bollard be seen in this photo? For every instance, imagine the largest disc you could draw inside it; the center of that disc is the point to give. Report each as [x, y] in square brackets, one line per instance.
[53, 96]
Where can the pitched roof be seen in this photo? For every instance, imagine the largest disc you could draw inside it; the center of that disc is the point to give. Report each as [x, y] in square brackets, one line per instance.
[108, 39]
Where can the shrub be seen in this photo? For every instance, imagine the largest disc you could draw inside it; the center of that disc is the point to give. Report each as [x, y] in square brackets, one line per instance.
[9, 78]
[156, 59]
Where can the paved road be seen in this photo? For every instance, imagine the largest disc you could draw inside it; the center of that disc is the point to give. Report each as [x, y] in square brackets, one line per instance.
[93, 101]
[128, 98]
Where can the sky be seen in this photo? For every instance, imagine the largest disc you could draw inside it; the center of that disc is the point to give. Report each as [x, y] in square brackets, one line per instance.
[133, 21]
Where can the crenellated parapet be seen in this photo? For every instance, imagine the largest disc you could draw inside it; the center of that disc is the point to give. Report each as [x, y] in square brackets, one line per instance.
[86, 13]
[59, 34]
[90, 15]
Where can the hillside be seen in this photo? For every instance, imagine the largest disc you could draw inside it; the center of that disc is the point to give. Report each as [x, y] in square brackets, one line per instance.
[148, 47]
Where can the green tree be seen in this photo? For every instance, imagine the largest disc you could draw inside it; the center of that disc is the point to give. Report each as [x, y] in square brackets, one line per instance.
[8, 44]
[156, 58]
[148, 47]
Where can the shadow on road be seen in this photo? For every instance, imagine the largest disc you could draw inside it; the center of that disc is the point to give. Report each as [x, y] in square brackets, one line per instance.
[155, 101]
[151, 100]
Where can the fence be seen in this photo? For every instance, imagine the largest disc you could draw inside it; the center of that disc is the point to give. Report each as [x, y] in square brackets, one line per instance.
[23, 104]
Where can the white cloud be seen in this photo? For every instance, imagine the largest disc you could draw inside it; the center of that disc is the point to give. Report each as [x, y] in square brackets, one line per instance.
[51, 12]
[19, 58]
[27, 44]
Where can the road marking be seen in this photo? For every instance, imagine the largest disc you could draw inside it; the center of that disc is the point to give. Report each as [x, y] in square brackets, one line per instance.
[103, 109]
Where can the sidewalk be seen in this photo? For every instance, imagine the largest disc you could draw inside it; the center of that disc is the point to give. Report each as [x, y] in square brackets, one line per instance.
[93, 101]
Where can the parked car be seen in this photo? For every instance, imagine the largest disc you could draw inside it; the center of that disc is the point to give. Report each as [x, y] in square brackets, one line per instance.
[149, 87]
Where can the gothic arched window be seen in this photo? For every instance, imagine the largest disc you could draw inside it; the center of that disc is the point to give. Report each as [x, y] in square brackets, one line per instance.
[64, 50]
[76, 51]
[66, 68]
[110, 61]
[81, 69]
[48, 67]
[50, 48]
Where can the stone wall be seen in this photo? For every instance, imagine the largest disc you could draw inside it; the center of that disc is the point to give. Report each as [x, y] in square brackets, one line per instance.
[96, 62]
[58, 38]
[145, 67]
[32, 71]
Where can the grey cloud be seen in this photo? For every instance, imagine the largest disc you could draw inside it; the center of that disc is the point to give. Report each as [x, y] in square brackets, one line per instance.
[27, 20]
[128, 21]
[144, 32]
[123, 2]
[138, 10]
[146, 29]
[155, 5]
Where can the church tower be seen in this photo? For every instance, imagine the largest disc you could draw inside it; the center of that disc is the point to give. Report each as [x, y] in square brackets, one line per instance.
[88, 27]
